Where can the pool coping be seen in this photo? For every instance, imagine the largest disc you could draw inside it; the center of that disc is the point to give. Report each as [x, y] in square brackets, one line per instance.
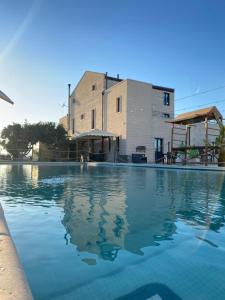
[165, 166]
[214, 168]
[13, 282]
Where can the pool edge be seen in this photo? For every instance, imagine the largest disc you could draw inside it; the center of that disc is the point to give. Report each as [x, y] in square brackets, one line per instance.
[163, 166]
[148, 165]
[13, 282]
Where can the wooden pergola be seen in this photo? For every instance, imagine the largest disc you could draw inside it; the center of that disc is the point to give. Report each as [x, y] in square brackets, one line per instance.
[188, 120]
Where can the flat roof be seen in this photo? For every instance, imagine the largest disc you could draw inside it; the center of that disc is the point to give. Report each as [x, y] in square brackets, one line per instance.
[163, 88]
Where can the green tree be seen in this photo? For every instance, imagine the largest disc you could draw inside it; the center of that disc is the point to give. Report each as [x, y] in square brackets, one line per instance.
[220, 142]
[19, 139]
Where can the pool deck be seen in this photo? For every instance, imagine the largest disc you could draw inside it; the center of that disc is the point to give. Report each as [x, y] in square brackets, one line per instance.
[13, 283]
[148, 165]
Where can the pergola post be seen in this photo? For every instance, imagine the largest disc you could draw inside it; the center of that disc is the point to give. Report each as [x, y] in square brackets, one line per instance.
[89, 149]
[172, 133]
[76, 154]
[206, 140]
[171, 144]
[186, 142]
[102, 144]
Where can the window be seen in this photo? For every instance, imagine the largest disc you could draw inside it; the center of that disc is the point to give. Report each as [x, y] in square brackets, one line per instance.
[158, 150]
[82, 116]
[167, 116]
[93, 87]
[93, 117]
[118, 104]
[73, 126]
[74, 101]
[166, 99]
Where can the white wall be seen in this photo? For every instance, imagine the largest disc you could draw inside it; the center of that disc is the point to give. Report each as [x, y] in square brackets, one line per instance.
[116, 122]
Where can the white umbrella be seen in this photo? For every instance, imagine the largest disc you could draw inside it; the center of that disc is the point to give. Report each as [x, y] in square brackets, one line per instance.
[6, 98]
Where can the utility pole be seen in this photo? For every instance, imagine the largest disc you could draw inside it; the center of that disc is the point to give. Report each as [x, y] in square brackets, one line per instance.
[68, 115]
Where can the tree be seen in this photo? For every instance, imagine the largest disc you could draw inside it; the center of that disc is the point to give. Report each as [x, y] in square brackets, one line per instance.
[220, 142]
[19, 139]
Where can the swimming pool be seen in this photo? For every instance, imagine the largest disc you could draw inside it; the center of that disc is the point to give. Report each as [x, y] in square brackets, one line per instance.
[100, 232]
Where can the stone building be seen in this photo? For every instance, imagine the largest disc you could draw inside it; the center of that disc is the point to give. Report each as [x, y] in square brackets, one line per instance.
[134, 112]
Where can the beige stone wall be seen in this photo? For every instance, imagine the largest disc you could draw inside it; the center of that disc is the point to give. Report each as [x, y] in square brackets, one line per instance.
[197, 134]
[145, 120]
[84, 99]
[116, 122]
[138, 124]
[64, 122]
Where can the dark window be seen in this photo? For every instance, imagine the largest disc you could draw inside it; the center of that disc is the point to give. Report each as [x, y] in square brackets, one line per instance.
[73, 126]
[93, 87]
[117, 143]
[74, 100]
[141, 149]
[158, 145]
[166, 115]
[166, 99]
[82, 116]
[93, 116]
[158, 150]
[118, 104]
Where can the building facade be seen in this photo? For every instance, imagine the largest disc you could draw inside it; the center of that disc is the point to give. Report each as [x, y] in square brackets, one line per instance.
[135, 112]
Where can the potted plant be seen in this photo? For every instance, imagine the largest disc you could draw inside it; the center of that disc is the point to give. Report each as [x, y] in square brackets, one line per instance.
[193, 155]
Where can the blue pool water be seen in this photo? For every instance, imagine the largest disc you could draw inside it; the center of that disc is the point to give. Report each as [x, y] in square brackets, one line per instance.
[117, 232]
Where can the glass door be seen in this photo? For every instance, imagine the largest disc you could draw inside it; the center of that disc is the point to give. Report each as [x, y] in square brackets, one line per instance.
[158, 150]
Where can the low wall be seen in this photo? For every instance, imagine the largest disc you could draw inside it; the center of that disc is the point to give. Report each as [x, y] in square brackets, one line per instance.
[13, 283]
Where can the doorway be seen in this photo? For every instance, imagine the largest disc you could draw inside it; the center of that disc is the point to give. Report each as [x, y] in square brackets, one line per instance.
[158, 150]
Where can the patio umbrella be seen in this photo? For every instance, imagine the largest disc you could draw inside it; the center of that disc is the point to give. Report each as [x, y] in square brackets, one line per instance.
[6, 98]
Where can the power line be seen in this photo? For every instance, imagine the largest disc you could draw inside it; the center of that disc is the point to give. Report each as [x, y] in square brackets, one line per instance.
[202, 105]
[201, 93]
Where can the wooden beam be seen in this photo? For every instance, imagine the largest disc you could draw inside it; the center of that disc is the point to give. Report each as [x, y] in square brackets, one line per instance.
[172, 133]
[186, 141]
[206, 140]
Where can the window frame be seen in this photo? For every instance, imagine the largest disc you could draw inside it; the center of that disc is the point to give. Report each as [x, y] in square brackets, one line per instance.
[166, 99]
[93, 118]
[118, 144]
[73, 126]
[166, 115]
[119, 104]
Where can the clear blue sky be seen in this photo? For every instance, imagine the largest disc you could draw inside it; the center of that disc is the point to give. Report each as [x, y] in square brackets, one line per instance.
[45, 44]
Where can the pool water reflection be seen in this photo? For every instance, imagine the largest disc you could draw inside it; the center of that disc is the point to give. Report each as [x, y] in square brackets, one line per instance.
[117, 232]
